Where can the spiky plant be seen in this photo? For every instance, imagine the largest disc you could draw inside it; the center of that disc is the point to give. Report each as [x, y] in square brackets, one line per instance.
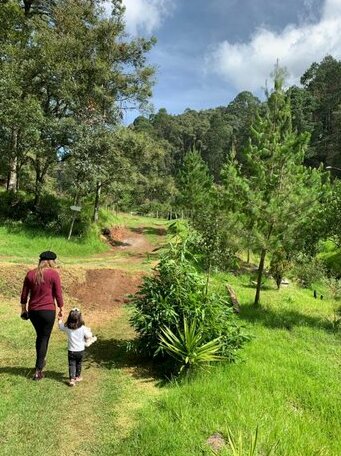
[188, 347]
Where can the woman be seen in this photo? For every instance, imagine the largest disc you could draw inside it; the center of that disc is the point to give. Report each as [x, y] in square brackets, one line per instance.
[43, 287]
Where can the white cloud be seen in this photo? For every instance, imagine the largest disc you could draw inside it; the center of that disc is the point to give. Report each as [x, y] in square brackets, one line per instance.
[145, 16]
[248, 65]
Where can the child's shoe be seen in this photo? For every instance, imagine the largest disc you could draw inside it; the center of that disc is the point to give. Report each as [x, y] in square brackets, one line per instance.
[79, 379]
[72, 382]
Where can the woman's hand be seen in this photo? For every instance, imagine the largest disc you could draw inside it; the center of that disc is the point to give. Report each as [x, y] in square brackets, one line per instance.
[60, 314]
[23, 313]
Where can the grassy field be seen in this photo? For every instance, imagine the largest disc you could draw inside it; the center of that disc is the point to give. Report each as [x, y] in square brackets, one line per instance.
[19, 244]
[48, 417]
[287, 382]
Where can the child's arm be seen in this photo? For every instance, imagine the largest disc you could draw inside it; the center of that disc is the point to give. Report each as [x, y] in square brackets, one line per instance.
[87, 332]
[61, 325]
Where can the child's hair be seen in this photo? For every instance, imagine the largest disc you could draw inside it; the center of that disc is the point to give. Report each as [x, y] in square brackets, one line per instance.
[74, 320]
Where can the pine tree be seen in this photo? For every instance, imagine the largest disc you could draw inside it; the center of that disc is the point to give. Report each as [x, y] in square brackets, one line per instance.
[276, 192]
[194, 184]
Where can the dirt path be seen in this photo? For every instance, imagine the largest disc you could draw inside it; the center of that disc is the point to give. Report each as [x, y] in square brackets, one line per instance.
[102, 293]
[102, 286]
[96, 415]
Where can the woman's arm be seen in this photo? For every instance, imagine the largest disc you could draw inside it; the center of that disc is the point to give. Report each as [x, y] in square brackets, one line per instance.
[58, 294]
[25, 292]
[24, 295]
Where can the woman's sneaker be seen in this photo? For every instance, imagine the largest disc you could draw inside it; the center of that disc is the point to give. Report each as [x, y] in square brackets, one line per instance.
[72, 382]
[79, 379]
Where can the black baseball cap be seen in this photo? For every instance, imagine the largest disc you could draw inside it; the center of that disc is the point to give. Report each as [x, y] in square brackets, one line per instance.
[48, 255]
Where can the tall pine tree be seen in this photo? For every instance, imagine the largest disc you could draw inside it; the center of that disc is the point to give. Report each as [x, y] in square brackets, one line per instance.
[276, 192]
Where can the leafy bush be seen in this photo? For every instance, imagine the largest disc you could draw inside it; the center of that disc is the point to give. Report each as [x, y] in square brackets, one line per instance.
[332, 262]
[14, 206]
[308, 270]
[54, 215]
[176, 291]
[279, 266]
[334, 287]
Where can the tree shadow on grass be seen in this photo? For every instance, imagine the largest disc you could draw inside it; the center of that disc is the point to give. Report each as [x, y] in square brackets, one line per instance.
[263, 287]
[29, 372]
[156, 231]
[283, 319]
[122, 354]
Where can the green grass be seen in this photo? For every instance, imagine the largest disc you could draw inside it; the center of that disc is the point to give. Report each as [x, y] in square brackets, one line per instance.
[136, 221]
[27, 244]
[20, 243]
[287, 383]
[48, 417]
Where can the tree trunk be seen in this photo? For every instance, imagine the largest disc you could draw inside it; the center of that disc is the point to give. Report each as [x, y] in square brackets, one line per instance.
[97, 198]
[260, 274]
[17, 185]
[38, 190]
[13, 165]
[234, 299]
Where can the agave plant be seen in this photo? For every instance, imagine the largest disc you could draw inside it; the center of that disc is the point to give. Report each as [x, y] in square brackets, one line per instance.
[188, 347]
[237, 446]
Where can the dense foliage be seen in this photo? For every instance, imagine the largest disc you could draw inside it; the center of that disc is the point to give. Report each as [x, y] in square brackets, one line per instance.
[67, 73]
[176, 291]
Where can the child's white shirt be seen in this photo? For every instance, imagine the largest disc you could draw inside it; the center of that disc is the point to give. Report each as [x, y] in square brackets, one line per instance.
[76, 337]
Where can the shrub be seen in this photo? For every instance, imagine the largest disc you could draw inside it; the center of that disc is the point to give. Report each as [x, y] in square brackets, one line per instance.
[279, 266]
[176, 291]
[54, 215]
[308, 270]
[14, 206]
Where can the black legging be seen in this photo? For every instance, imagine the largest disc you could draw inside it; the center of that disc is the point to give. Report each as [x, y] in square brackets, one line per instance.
[43, 321]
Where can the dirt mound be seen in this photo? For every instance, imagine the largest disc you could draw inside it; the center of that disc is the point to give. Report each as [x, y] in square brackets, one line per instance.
[119, 233]
[130, 239]
[11, 279]
[105, 288]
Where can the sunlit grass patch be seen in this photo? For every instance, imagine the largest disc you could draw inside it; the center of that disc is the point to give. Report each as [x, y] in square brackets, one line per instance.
[286, 382]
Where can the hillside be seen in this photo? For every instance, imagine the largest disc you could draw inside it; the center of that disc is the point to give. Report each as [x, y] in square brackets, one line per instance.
[287, 381]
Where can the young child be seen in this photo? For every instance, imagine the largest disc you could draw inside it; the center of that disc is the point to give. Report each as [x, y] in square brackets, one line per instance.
[79, 337]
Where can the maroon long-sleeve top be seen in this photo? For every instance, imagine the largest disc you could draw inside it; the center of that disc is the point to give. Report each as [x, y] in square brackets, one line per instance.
[42, 295]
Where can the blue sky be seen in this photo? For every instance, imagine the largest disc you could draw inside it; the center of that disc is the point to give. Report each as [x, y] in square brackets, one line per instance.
[210, 50]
